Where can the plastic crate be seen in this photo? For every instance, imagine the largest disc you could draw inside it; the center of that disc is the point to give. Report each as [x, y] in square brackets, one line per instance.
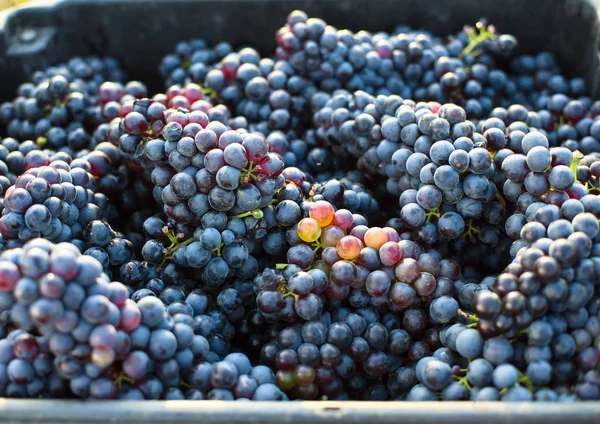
[220, 412]
[139, 32]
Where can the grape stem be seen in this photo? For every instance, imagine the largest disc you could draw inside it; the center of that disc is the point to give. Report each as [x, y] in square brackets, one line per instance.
[284, 289]
[208, 91]
[476, 39]
[123, 378]
[521, 333]
[468, 315]
[289, 293]
[175, 244]
[577, 156]
[434, 213]
[591, 188]
[463, 380]
[523, 379]
[500, 199]
[217, 250]
[256, 213]
[248, 173]
[317, 245]
[470, 231]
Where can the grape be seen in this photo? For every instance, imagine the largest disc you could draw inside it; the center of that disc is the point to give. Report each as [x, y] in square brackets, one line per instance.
[309, 229]
[349, 247]
[322, 212]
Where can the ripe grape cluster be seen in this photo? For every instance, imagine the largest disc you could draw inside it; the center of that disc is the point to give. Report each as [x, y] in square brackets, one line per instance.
[357, 216]
[441, 169]
[53, 200]
[411, 63]
[60, 105]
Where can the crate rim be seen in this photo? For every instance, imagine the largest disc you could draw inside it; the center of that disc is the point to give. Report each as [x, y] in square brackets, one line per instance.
[315, 412]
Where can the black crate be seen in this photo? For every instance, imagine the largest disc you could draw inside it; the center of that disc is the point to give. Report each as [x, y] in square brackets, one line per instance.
[139, 32]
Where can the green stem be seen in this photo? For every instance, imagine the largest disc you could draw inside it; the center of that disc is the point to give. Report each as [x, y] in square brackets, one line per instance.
[523, 379]
[591, 188]
[434, 213]
[500, 199]
[464, 381]
[521, 333]
[317, 245]
[208, 91]
[248, 173]
[476, 39]
[123, 378]
[289, 293]
[470, 230]
[281, 266]
[468, 315]
[217, 250]
[577, 156]
[256, 213]
[175, 244]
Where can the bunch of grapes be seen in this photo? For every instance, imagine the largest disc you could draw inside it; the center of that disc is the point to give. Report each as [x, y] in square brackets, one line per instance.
[54, 291]
[108, 101]
[267, 92]
[95, 342]
[412, 64]
[53, 200]
[53, 109]
[332, 360]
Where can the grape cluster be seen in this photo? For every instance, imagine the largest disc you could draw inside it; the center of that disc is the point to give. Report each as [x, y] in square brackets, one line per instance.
[439, 167]
[266, 92]
[213, 183]
[95, 342]
[412, 64]
[53, 200]
[55, 107]
[54, 291]
[324, 360]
